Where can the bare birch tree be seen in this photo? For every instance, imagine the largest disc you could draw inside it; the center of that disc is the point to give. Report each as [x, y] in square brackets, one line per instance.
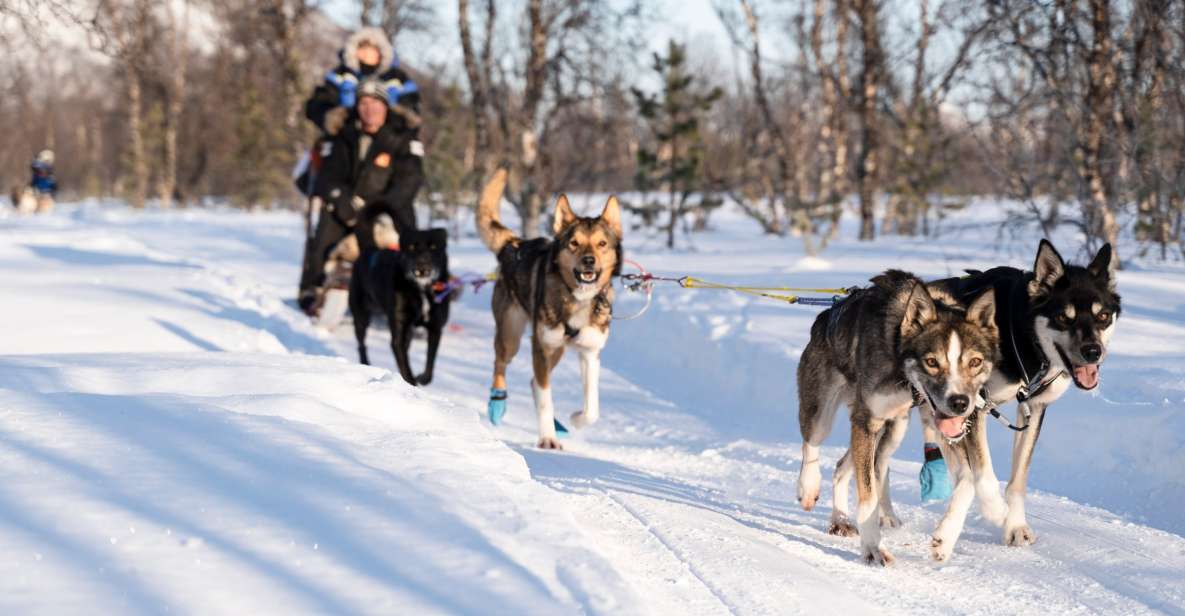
[871, 70]
[178, 27]
[127, 29]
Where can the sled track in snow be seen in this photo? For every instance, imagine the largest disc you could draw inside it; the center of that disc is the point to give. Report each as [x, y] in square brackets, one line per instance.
[673, 551]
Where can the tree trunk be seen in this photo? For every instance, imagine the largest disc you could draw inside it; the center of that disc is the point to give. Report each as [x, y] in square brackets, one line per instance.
[176, 95]
[1100, 101]
[825, 148]
[536, 77]
[1143, 110]
[843, 91]
[285, 25]
[917, 128]
[136, 138]
[866, 172]
[769, 126]
[478, 79]
[673, 204]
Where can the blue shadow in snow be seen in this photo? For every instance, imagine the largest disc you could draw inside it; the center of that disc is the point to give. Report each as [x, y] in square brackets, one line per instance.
[75, 256]
[274, 324]
[187, 336]
[284, 475]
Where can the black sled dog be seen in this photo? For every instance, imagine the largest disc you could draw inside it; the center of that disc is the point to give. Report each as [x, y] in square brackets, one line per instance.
[410, 287]
[1055, 324]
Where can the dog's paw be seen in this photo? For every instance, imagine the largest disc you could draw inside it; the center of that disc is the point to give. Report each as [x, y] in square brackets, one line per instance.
[940, 550]
[842, 527]
[890, 520]
[582, 420]
[424, 379]
[994, 511]
[1019, 536]
[549, 443]
[877, 556]
[808, 487]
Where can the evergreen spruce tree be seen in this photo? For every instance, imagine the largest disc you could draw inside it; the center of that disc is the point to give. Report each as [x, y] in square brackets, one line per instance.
[673, 160]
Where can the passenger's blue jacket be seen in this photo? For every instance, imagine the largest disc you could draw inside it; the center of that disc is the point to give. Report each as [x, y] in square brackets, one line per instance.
[43, 180]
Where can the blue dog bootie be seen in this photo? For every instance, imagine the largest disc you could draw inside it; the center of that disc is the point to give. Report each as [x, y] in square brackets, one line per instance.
[560, 430]
[935, 479]
[497, 406]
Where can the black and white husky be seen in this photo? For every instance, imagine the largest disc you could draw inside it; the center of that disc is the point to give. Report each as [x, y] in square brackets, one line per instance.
[1055, 323]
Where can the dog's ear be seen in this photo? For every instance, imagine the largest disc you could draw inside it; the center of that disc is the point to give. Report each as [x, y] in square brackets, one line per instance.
[611, 215]
[982, 311]
[1103, 266]
[1047, 269]
[564, 216]
[438, 237]
[919, 310]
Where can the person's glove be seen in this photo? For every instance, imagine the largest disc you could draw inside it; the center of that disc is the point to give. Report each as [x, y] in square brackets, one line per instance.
[335, 119]
[344, 210]
[935, 478]
[347, 90]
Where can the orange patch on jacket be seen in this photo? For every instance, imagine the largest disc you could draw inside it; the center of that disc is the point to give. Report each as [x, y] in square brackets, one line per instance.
[382, 160]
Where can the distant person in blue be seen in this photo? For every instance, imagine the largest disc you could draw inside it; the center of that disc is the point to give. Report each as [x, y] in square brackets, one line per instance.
[367, 53]
[43, 182]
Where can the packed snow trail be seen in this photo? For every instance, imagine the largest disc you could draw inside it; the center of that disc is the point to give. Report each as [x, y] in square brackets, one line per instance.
[176, 437]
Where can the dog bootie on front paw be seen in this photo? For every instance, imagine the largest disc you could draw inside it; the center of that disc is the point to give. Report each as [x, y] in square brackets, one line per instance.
[934, 477]
[497, 406]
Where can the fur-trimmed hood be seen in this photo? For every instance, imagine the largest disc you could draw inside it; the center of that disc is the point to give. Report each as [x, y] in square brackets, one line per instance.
[374, 36]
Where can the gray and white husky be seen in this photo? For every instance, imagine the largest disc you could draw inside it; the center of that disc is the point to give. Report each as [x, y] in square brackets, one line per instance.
[876, 352]
[1055, 323]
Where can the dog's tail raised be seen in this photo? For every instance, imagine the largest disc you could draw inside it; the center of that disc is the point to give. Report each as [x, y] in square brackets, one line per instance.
[493, 233]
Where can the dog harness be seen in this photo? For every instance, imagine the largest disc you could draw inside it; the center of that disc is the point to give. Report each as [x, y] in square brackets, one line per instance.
[1026, 391]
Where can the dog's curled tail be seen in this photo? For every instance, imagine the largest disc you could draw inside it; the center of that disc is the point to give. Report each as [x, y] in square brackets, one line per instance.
[493, 233]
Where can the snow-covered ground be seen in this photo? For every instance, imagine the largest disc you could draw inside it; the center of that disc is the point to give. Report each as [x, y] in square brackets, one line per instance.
[174, 436]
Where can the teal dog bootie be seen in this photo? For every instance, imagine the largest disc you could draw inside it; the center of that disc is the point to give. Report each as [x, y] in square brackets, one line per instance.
[934, 477]
[497, 407]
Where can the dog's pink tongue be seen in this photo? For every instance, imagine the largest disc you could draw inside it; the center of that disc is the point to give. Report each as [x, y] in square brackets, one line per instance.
[1087, 376]
[952, 427]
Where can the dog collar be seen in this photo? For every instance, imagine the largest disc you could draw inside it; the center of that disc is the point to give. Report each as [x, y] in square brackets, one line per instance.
[1027, 391]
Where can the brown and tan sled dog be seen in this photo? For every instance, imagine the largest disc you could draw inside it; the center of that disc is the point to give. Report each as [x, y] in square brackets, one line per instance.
[562, 288]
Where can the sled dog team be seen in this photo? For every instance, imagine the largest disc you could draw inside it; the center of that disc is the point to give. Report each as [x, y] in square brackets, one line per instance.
[955, 349]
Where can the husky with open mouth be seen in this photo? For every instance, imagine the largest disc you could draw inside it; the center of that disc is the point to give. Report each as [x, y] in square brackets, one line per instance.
[879, 352]
[1055, 323]
[560, 286]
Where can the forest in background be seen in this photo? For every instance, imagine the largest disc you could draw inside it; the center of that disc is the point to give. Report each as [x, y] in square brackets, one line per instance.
[1073, 111]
